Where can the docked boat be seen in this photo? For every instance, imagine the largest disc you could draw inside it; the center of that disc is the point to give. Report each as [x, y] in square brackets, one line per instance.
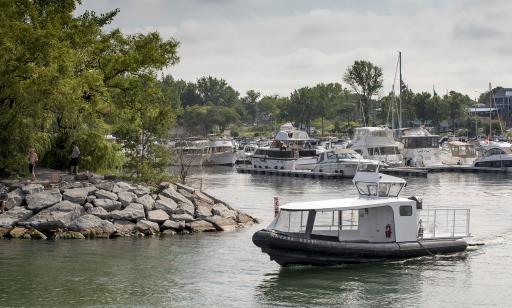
[245, 155]
[497, 157]
[191, 152]
[377, 143]
[457, 153]
[222, 152]
[342, 161]
[376, 226]
[421, 148]
[287, 147]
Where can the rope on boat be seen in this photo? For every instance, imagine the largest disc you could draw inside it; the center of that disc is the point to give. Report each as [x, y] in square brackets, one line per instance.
[426, 249]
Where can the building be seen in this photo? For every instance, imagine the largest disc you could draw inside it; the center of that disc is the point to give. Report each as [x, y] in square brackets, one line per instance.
[502, 100]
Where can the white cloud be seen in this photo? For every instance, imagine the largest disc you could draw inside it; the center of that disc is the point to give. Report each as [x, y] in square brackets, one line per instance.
[278, 46]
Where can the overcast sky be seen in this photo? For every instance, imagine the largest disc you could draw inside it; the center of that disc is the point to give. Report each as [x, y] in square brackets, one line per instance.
[276, 46]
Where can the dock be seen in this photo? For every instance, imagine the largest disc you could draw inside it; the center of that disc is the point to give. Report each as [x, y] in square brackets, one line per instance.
[398, 171]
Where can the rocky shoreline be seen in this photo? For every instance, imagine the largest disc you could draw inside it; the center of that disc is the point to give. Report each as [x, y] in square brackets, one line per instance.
[98, 208]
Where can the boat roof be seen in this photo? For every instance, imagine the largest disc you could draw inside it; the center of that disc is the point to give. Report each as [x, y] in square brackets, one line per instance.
[340, 204]
[374, 177]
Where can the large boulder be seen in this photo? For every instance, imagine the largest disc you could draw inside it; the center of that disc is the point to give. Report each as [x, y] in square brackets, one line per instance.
[11, 217]
[58, 216]
[99, 211]
[126, 197]
[186, 194]
[14, 198]
[171, 224]
[244, 218]
[201, 226]
[158, 216]
[121, 186]
[182, 217]
[147, 201]
[222, 210]
[147, 227]
[108, 204]
[132, 212]
[171, 193]
[166, 204]
[42, 200]
[76, 195]
[223, 224]
[204, 198]
[103, 194]
[32, 188]
[92, 226]
[36, 235]
[141, 191]
[19, 232]
[124, 227]
[4, 231]
[105, 185]
[203, 210]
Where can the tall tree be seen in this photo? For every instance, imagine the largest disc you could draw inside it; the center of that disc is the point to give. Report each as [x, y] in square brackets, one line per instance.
[457, 105]
[366, 80]
[217, 92]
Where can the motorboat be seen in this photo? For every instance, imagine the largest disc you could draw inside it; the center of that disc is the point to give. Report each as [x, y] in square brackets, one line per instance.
[421, 148]
[286, 148]
[377, 143]
[222, 152]
[191, 152]
[245, 155]
[378, 225]
[342, 161]
[457, 153]
[497, 157]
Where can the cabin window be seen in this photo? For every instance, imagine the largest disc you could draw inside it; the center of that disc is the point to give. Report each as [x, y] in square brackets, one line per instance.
[405, 210]
[367, 188]
[390, 189]
[291, 221]
[326, 221]
[349, 219]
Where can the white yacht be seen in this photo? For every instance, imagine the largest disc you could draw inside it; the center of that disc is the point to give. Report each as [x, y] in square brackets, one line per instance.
[376, 226]
[222, 152]
[421, 149]
[191, 152]
[377, 143]
[287, 147]
[457, 153]
[343, 161]
[245, 155]
[497, 157]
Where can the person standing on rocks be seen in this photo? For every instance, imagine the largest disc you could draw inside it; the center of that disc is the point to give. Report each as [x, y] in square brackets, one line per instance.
[32, 160]
[74, 159]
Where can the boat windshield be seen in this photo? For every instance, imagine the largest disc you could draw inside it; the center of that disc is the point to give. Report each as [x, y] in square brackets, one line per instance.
[291, 221]
[332, 155]
[386, 150]
[385, 189]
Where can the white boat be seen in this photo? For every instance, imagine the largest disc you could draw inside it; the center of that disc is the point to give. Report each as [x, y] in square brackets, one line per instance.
[376, 226]
[285, 149]
[377, 143]
[497, 157]
[222, 152]
[457, 153]
[191, 152]
[245, 155]
[421, 149]
[343, 161]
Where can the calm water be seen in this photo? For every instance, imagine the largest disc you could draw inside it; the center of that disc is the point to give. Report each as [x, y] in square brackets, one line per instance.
[226, 270]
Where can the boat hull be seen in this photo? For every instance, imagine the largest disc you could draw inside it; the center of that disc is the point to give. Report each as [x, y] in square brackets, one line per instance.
[222, 159]
[288, 250]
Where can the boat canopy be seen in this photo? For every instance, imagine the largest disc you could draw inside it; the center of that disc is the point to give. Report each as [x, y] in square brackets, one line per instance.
[291, 135]
[341, 204]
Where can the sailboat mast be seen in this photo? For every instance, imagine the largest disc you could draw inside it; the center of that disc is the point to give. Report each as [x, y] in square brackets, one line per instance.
[490, 112]
[400, 86]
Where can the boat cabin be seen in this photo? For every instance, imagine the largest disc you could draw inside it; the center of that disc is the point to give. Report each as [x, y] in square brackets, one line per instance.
[378, 215]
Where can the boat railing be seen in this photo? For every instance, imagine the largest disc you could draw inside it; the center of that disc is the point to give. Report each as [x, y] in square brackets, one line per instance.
[443, 223]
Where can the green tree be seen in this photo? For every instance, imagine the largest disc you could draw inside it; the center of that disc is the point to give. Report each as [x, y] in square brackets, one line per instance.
[217, 92]
[436, 110]
[326, 98]
[366, 80]
[457, 105]
[249, 104]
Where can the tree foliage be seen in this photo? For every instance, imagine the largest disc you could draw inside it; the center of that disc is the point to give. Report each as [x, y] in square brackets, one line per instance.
[60, 81]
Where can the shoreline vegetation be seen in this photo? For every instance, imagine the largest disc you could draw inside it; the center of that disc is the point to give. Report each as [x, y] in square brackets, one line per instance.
[68, 78]
[90, 206]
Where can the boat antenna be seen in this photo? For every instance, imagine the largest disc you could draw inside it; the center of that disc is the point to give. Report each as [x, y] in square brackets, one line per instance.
[400, 88]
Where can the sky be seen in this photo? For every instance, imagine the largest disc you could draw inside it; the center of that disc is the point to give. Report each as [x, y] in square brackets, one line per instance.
[276, 46]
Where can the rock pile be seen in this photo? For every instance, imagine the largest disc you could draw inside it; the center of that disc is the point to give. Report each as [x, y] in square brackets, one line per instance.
[100, 208]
